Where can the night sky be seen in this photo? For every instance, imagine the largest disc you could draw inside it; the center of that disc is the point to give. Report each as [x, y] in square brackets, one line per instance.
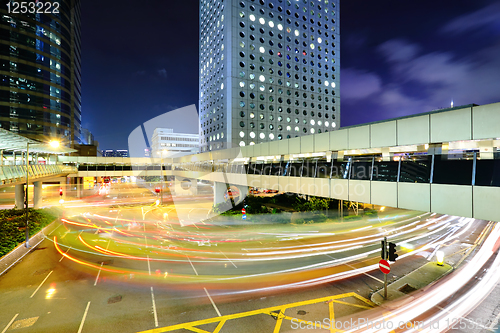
[140, 59]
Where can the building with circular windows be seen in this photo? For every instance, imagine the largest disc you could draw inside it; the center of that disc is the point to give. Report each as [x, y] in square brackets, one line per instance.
[40, 70]
[267, 60]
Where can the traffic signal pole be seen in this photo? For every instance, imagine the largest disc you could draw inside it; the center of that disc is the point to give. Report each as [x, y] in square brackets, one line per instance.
[384, 250]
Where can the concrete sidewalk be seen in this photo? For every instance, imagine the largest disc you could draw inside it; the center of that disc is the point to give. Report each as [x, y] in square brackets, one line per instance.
[13, 257]
[415, 280]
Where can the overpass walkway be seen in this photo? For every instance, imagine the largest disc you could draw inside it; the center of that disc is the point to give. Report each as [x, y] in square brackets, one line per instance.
[16, 174]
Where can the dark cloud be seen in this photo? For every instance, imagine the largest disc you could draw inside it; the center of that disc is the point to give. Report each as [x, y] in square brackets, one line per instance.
[414, 77]
[487, 16]
[162, 72]
[358, 84]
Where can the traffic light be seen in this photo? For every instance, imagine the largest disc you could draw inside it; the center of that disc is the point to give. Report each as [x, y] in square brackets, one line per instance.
[60, 192]
[392, 252]
[383, 253]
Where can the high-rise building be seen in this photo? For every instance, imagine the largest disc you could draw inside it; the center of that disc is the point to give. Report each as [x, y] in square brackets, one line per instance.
[166, 143]
[269, 70]
[40, 70]
[115, 153]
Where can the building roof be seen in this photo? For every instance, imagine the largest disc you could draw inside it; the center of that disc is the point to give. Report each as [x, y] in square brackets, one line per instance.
[10, 141]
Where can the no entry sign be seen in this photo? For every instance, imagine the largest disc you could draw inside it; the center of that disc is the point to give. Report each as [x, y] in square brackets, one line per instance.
[243, 211]
[384, 266]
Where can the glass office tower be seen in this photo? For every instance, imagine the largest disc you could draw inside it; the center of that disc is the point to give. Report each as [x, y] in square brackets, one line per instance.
[269, 70]
[40, 72]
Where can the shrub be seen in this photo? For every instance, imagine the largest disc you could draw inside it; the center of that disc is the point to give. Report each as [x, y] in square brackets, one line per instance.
[13, 226]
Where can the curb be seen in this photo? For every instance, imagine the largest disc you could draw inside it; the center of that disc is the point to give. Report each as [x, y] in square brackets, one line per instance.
[19, 252]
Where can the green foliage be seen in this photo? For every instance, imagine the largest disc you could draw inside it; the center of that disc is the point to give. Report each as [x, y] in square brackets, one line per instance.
[313, 204]
[353, 218]
[13, 226]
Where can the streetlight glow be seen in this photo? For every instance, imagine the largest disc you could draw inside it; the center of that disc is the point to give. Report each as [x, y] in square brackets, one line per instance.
[54, 144]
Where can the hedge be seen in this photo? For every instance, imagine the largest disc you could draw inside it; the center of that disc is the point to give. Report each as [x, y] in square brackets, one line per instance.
[13, 226]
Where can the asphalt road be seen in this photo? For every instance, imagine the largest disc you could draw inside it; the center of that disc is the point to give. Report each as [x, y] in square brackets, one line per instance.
[50, 292]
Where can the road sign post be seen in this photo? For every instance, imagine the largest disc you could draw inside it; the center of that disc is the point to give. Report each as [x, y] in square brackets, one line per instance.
[384, 265]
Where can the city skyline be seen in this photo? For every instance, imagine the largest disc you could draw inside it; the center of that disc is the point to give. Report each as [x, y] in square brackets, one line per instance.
[431, 67]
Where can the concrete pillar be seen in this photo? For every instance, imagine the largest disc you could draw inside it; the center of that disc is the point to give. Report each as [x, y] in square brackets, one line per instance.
[243, 193]
[1, 157]
[194, 186]
[19, 196]
[79, 187]
[387, 155]
[37, 195]
[219, 192]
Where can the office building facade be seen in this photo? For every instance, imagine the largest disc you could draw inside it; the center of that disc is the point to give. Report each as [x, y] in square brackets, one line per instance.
[40, 72]
[269, 70]
[167, 144]
[115, 153]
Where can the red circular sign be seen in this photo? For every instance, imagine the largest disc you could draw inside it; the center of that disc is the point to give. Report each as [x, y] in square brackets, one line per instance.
[384, 266]
[243, 211]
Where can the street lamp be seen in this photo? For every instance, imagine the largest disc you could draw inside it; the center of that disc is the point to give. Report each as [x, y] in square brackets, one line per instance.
[53, 144]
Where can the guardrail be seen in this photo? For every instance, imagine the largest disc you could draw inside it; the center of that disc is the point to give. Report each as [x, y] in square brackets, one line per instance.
[17, 173]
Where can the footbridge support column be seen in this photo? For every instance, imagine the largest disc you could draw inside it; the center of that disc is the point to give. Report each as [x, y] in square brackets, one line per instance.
[243, 193]
[19, 196]
[37, 195]
[220, 190]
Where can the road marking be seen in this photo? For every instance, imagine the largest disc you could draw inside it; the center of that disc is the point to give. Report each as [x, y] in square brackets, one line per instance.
[212, 301]
[194, 269]
[98, 273]
[277, 312]
[329, 256]
[10, 323]
[33, 247]
[154, 307]
[228, 259]
[149, 266]
[373, 277]
[54, 230]
[69, 248]
[494, 322]
[83, 319]
[41, 284]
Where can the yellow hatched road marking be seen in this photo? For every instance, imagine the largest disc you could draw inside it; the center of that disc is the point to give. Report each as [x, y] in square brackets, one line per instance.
[355, 305]
[332, 316]
[278, 312]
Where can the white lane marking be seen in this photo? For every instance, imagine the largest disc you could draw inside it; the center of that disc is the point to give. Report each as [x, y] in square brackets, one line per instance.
[194, 269]
[98, 273]
[149, 266]
[228, 259]
[62, 257]
[154, 307]
[41, 284]
[10, 323]
[369, 275]
[211, 300]
[494, 322]
[54, 230]
[83, 319]
[5, 270]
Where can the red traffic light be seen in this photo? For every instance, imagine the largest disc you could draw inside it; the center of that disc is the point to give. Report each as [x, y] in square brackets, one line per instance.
[61, 191]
